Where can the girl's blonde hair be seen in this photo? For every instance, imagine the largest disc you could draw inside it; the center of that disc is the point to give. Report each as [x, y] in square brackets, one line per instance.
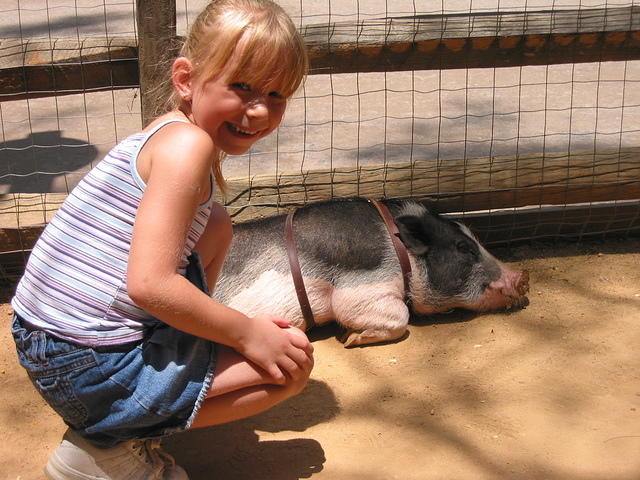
[272, 52]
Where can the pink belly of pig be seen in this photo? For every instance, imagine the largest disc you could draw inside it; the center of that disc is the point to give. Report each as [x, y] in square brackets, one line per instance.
[370, 313]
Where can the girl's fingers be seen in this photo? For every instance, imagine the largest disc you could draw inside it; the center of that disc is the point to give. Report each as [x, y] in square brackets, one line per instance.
[290, 366]
[301, 358]
[281, 322]
[277, 375]
[300, 340]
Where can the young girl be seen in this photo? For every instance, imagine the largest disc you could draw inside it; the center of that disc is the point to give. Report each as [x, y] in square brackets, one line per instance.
[112, 317]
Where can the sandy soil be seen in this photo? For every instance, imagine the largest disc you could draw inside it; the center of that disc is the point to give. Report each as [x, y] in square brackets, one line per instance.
[548, 392]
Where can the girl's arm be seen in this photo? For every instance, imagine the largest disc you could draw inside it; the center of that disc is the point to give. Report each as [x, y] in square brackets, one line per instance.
[176, 164]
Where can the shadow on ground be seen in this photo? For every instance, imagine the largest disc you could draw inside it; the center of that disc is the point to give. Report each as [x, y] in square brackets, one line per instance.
[32, 164]
[236, 451]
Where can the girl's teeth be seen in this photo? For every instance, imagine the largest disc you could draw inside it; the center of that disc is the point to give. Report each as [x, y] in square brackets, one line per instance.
[243, 132]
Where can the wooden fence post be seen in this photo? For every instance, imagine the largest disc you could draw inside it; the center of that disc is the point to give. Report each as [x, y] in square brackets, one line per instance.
[156, 20]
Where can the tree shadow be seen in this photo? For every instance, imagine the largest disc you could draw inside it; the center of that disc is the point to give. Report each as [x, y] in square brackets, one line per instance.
[235, 450]
[32, 164]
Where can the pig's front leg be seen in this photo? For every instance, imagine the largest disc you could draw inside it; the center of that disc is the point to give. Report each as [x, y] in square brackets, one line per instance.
[370, 313]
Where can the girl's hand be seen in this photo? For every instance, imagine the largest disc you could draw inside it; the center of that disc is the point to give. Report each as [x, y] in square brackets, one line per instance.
[275, 347]
[281, 322]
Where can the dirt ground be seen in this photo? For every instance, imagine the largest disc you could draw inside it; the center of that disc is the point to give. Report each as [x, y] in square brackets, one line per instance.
[548, 392]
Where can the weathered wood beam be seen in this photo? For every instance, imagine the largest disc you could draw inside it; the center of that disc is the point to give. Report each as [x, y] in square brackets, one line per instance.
[456, 184]
[19, 239]
[156, 44]
[475, 40]
[261, 206]
[35, 68]
[391, 44]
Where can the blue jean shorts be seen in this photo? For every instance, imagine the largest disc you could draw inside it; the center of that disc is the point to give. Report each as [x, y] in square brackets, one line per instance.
[108, 395]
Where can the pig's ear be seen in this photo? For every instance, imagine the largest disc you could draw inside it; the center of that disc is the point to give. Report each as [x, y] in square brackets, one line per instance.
[413, 234]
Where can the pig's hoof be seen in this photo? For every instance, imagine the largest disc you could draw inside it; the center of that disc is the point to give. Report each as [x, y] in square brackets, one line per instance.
[353, 338]
[350, 338]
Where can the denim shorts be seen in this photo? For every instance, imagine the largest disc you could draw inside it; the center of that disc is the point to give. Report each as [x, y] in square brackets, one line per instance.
[108, 395]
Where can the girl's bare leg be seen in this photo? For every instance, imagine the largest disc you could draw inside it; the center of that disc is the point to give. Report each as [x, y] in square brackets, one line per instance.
[240, 389]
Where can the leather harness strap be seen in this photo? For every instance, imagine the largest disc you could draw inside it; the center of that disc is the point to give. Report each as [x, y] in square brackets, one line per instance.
[296, 272]
[401, 250]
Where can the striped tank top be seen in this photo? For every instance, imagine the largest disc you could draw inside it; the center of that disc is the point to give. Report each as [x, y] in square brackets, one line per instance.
[75, 284]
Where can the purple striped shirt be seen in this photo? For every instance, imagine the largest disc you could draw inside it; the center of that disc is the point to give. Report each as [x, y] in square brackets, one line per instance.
[75, 284]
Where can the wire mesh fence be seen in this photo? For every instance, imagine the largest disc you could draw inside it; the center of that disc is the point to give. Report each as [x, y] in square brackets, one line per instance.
[502, 106]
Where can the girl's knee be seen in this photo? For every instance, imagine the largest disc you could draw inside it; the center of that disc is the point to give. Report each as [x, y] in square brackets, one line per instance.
[295, 386]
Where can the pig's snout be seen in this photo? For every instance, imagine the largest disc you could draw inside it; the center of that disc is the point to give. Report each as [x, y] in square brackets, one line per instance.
[509, 291]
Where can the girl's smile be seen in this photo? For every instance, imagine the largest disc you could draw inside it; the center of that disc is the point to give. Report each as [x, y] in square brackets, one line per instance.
[239, 131]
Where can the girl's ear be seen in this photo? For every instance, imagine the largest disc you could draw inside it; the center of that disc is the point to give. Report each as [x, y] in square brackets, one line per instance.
[182, 76]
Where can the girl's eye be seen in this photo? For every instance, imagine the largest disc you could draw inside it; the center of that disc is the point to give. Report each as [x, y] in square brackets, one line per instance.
[277, 95]
[241, 86]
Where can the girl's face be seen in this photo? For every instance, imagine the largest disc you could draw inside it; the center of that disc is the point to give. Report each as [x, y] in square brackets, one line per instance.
[235, 114]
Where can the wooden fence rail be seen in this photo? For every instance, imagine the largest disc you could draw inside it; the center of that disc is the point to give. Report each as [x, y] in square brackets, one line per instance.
[392, 44]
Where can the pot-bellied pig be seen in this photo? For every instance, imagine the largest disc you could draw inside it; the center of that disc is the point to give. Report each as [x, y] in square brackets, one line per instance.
[352, 273]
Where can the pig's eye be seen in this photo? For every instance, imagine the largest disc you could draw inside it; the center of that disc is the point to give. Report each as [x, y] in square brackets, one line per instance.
[466, 247]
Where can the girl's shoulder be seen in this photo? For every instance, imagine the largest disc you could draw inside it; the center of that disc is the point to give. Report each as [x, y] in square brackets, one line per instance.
[169, 117]
[175, 142]
[173, 127]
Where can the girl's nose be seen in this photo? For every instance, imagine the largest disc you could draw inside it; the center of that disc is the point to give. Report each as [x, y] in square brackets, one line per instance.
[257, 109]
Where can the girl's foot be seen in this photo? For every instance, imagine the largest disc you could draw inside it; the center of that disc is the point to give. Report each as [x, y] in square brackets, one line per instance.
[78, 459]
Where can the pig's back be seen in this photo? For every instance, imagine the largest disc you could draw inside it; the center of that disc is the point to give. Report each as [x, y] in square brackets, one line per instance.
[334, 239]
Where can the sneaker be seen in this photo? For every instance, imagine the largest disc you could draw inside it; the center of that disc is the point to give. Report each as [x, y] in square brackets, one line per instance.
[78, 459]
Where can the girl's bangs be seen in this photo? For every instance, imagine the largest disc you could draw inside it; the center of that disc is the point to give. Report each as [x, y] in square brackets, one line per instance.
[272, 61]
